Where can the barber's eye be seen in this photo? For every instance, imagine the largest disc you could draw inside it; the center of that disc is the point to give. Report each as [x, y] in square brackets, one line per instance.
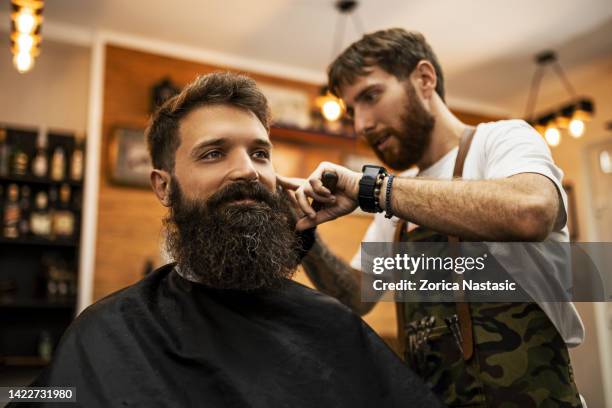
[370, 96]
[261, 154]
[211, 155]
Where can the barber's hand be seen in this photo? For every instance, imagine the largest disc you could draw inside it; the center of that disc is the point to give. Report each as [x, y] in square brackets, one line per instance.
[290, 185]
[307, 237]
[342, 202]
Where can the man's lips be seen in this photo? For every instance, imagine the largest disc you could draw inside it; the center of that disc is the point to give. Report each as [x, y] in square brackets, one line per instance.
[251, 202]
[243, 201]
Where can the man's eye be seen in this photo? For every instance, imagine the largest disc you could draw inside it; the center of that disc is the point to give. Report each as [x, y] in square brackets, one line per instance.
[370, 97]
[211, 155]
[261, 154]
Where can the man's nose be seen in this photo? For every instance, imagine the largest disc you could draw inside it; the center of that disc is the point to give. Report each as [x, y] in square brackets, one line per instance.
[242, 168]
[364, 123]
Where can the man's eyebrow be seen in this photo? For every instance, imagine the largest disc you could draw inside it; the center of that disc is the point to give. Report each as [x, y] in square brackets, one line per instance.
[359, 97]
[364, 91]
[203, 145]
[263, 143]
[221, 142]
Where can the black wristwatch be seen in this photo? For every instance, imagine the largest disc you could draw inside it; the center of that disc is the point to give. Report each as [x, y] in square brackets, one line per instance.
[369, 188]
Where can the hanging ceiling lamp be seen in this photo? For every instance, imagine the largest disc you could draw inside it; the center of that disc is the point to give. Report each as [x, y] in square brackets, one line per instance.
[571, 116]
[332, 108]
[26, 21]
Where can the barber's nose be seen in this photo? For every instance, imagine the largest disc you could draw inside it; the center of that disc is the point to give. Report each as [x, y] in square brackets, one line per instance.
[242, 168]
[364, 123]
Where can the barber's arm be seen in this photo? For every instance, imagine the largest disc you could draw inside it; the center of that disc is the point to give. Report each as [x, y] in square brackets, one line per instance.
[522, 207]
[334, 277]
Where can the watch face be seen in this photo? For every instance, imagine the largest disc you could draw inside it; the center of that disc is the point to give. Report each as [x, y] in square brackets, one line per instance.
[371, 170]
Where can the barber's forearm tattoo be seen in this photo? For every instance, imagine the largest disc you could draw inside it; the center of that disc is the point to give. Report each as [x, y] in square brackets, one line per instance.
[334, 277]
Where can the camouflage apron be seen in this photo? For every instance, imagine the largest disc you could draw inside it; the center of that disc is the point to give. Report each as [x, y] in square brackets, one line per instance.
[484, 354]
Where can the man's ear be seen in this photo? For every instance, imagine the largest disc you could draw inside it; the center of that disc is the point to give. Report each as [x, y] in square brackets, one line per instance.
[425, 78]
[160, 182]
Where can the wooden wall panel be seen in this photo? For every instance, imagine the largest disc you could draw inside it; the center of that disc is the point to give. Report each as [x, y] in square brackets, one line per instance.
[129, 219]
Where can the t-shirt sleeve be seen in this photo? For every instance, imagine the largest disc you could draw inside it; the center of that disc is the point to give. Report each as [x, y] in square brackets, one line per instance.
[517, 148]
[380, 230]
[373, 234]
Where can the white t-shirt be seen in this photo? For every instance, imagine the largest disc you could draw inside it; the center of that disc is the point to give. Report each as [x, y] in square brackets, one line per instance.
[499, 150]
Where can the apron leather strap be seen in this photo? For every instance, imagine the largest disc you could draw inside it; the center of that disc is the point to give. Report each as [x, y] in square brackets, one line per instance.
[463, 308]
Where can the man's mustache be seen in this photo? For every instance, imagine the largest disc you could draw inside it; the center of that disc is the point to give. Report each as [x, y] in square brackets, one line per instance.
[240, 190]
[374, 136]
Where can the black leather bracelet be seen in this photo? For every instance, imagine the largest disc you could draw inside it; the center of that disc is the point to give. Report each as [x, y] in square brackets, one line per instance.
[388, 212]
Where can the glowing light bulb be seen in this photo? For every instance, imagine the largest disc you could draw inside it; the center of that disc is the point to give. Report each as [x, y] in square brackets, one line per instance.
[25, 22]
[576, 128]
[23, 62]
[24, 42]
[605, 162]
[331, 110]
[552, 136]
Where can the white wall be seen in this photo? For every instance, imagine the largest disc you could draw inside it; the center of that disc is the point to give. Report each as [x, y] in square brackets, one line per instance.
[54, 93]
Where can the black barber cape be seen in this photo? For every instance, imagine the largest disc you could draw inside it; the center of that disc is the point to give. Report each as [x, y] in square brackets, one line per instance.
[167, 342]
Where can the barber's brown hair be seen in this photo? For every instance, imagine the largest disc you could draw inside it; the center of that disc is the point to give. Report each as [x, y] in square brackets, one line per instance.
[219, 88]
[396, 51]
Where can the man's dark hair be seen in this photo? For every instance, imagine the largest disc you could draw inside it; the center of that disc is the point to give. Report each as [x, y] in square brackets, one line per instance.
[219, 88]
[396, 51]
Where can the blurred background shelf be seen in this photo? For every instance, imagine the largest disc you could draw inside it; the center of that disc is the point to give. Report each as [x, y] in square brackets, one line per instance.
[36, 241]
[39, 181]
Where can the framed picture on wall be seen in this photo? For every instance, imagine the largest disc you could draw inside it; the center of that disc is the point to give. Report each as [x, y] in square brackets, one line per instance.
[129, 162]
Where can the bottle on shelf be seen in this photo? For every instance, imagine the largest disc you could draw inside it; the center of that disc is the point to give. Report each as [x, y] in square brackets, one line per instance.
[58, 164]
[40, 162]
[52, 280]
[11, 217]
[63, 217]
[40, 219]
[52, 207]
[19, 162]
[24, 212]
[45, 346]
[5, 153]
[77, 200]
[76, 161]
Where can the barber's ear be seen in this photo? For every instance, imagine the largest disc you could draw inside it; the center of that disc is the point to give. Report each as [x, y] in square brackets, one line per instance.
[426, 78]
[160, 182]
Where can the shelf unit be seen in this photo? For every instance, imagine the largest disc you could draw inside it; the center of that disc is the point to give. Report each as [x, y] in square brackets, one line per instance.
[26, 310]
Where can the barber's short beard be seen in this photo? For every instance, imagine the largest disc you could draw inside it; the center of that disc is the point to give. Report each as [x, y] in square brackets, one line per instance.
[414, 136]
[228, 245]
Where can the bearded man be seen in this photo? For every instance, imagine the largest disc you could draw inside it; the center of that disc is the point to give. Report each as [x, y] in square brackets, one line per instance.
[223, 325]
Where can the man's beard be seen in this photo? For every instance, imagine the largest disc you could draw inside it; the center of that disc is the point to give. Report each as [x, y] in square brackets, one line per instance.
[228, 245]
[414, 135]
